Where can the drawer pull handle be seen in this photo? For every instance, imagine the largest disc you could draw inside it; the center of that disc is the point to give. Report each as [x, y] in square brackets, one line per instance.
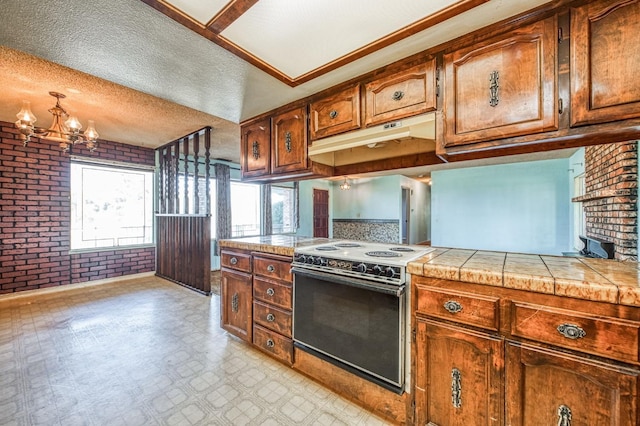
[493, 88]
[452, 306]
[571, 331]
[271, 268]
[333, 114]
[564, 415]
[271, 318]
[233, 260]
[270, 292]
[270, 343]
[234, 303]
[256, 150]
[398, 95]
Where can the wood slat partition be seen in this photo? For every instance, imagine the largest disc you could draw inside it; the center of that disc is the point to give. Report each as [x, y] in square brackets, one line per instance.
[183, 250]
[183, 243]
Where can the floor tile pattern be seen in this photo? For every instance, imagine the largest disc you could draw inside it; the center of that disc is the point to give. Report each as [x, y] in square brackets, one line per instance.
[146, 352]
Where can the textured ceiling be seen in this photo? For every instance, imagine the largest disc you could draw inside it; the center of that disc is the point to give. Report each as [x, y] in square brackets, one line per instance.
[131, 45]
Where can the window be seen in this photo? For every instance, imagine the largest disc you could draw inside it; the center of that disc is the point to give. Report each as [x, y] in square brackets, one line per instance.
[245, 209]
[110, 206]
[282, 210]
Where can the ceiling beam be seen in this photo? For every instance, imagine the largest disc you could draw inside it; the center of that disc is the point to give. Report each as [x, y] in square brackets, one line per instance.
[232, 11]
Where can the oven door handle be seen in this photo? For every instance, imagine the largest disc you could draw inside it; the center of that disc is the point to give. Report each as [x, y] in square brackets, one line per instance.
[391, 289]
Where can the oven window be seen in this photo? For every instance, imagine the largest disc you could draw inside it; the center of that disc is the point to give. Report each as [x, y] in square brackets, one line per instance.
[357, 326]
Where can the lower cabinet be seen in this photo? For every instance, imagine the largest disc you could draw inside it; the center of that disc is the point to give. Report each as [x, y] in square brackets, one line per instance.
[235, 303]
[550, 360]
[545, 387]
[458, 377]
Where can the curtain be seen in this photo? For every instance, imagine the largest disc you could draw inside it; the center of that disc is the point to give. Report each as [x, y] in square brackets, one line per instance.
[223, 198]
[267, 213]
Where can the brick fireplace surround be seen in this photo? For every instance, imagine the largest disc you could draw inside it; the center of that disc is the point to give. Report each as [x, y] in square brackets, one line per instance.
[610, 200]
[35, 213]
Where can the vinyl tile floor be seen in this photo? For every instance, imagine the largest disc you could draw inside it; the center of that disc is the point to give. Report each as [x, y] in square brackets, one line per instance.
[146, 352]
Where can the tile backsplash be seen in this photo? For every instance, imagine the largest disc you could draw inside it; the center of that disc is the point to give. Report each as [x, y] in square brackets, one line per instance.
[383, 231]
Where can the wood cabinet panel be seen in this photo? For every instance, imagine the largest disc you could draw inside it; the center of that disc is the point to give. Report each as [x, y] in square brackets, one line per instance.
[336, 114]
[605, 39]
[410, 92]
[608, 337]
[504, 87]
[460, 372]
[235, 303]
[550, 388]
[255, 147]
[272, 292]
[289, 141]
[272, 318]
[235, 260]
[269, 341]
[272, 268]
[466, 308]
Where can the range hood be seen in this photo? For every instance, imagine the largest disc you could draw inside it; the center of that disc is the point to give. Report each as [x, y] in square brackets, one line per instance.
[413, 135]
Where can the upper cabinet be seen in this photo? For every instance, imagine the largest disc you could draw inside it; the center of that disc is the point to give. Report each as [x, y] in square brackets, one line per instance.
[256, 148]
[409, 92]
[289, 139]
[335, 114]
[503, 87]
[605, 40]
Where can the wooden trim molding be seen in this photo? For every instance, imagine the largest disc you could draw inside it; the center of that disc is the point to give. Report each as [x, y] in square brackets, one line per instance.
[236, 8]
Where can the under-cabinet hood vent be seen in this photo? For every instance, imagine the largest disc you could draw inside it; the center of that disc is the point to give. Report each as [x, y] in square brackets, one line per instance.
[412, 135]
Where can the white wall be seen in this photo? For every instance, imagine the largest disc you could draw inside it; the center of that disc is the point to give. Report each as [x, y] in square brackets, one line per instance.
[522, 207]
[305, 205]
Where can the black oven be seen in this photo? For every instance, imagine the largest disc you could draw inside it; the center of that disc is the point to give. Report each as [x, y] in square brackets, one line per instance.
[354, 323]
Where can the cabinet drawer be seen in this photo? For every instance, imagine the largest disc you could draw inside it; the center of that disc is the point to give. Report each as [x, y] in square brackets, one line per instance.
[269, 341]
[272, 292]
[236, 260]
[410, 92]
[335, 114]
[272, 268]
[465, 308]
[272, 318]
[608, 337]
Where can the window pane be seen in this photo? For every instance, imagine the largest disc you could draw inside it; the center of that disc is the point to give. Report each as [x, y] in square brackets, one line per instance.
[110, 207]
[245, 209]
[282, 212]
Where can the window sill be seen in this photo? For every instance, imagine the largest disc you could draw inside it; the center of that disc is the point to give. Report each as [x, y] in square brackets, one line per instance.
[118, 248]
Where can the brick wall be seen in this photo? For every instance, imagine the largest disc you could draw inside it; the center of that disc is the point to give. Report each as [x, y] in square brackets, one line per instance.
[35, 216]
[611, 180]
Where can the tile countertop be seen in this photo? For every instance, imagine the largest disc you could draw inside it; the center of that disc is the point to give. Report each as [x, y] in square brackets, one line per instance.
[283, 245]
[582, 278]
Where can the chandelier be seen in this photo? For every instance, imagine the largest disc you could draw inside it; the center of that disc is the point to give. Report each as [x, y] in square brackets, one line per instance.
[65, 129]
[345, 186]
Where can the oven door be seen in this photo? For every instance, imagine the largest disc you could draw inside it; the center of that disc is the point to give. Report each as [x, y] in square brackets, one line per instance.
[353, 323]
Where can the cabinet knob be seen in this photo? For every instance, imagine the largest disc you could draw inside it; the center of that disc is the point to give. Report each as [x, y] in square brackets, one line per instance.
[494, 86]
[255, 150]
[233, 260]
[270, 292]
[234, 302]
[271, 318]
[270, 343]
[271, 268]
[397, 95]
[564, 415]
[571, 331]
[452, 306]
[333, 114]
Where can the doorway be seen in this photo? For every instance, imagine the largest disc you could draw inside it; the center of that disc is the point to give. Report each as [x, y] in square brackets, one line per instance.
[321, 213]
[405, 220]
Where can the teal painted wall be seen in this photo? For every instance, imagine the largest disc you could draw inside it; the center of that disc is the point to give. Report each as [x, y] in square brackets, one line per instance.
[521, 207]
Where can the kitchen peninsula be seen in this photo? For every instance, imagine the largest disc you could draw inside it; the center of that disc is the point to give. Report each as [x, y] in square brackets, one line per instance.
[491, 329]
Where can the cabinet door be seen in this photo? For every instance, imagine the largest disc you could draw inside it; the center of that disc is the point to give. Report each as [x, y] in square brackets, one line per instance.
[505, 87]
[335, 114]
[407, 93]
[235, 303]
[289, 144]
[458, 376]
[605, 41]
[256, 148]
[550, 388]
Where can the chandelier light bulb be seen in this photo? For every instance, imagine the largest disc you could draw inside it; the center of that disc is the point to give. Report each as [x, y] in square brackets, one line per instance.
[73, 124]
[25, 116]
[91, 134]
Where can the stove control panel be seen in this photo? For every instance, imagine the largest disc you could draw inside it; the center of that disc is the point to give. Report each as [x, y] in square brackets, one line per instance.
[369, 270]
